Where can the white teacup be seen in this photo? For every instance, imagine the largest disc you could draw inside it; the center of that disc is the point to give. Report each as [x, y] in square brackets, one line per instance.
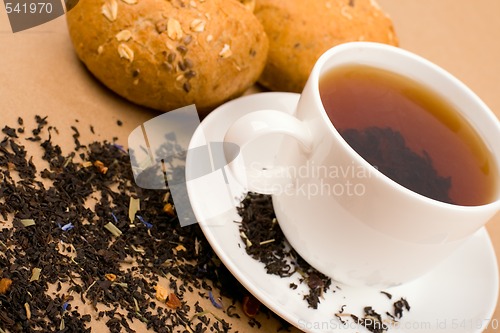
[381, 233]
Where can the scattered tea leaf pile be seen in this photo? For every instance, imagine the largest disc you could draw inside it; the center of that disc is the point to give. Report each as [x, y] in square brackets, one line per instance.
[264, 241]
[79, 229]
[76, 232]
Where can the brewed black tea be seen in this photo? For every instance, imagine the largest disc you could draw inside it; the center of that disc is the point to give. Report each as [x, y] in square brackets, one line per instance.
[411, 134]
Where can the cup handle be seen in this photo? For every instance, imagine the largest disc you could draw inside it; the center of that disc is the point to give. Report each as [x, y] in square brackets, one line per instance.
[252, 126]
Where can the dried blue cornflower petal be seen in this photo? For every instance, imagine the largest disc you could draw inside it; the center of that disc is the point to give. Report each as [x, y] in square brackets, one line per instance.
[146, 223]
[67, 226]
[65, 306]
[215, 303]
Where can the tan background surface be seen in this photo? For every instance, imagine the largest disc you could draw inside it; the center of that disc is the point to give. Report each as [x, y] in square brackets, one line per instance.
[39, 73]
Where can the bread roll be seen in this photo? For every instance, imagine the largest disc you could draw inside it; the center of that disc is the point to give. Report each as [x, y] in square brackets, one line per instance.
[300, 31]
[168, 54]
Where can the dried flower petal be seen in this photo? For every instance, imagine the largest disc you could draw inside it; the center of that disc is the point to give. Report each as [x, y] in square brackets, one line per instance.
[113, 229]
[5, 284]
[146, 223]
[65, 306]
[267, 241]
[110, 277]
[28, 222]
[168, 208]
[250, 306]
[173, 301]
[161, 293]
[180, 247]
[215, 303]
[100, 166]
[28, 310]
[67, 226]
[133, 207]
[35, 274]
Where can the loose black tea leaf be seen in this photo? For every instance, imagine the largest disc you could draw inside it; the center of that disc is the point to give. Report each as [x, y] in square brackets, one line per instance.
[389, 296]
[76, 137]
[338, 315]
[372, 321]
[400, 306]
[9, 131]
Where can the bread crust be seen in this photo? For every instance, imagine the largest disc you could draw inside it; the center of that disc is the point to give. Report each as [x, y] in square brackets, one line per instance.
[168, 54]
[300, 31]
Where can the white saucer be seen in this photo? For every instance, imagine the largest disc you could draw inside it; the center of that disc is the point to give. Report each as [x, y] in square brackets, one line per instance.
[458, 296]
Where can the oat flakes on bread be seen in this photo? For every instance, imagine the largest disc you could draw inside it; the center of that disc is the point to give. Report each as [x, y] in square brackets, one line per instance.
[300, 31]
[168, 54]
